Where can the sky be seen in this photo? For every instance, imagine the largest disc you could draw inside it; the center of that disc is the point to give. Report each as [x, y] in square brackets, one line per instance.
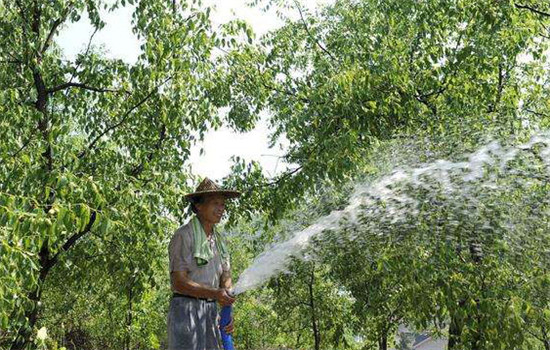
[219, 146]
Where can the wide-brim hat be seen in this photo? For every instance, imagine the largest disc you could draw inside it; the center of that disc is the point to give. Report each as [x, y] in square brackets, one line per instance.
[208, 186]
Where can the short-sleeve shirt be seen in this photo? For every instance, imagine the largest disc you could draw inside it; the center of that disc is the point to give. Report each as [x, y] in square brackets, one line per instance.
[181, 257]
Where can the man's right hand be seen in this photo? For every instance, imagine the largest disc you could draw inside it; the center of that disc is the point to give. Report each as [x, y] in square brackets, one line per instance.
[224, 298]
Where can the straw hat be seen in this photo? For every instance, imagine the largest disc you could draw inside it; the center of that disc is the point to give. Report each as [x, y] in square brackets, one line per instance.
[208, 186]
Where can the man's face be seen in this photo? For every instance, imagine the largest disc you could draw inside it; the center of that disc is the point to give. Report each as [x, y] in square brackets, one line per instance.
[212, 209]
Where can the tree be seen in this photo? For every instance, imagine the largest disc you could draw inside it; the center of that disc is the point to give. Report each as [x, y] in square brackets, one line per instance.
[361, 73]
[444, 246]
[343, 79]
[94, 149]
[302, 308]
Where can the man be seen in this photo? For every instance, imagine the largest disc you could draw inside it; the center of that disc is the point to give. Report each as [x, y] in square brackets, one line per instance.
[199, 273]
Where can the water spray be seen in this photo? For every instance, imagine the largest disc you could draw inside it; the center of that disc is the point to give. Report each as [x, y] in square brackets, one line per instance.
[479, 168]
[453, 179]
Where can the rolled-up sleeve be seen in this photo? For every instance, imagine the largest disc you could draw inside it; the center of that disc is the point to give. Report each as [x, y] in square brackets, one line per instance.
[179, 252]
[226, 266]
[226, 263]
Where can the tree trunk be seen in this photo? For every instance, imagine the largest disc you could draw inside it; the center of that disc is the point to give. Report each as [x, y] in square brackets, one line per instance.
[383, 341]
[545, 339]
[47, 262]
[24, 333]
[455, 331]
[129, 315]
[477, 337]
[315, 328]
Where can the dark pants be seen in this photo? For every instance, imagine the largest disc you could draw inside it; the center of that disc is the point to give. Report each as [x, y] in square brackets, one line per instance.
[192, 325]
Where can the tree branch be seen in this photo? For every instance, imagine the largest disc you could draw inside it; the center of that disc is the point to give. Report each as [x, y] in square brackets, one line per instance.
[311, 35]
[285, 176]
[36, 18]
[500, 86]
[426, 103]
[532, 9]
[125, 117]
[24, 19]
[56, 24]
[276, 181]
[286, 92]
[534, 335]
[82, 86]
[85, 54]
[72, 240]
[435, 92]
[22, 147]
[12, 62]
[538, 114]
[138, 169]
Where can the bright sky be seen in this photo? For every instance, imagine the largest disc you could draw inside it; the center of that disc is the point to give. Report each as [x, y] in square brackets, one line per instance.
[119, 42]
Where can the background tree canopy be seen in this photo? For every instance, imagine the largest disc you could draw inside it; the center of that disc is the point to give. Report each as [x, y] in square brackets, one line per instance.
[94, 165]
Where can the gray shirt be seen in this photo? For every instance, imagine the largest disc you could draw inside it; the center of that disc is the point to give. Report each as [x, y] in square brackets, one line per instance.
[181, 257]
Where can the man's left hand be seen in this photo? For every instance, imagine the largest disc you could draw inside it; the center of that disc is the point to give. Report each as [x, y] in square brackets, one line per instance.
[229, 328]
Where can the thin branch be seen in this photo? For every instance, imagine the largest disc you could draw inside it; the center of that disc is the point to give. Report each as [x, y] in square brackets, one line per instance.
[222, 50]
[36, 18]
[125, 117]
[282, 177]
[426, 103]
[534, 335]
[139, 169]
[500, 86]
[85, 54]
[286, 92]
[82, 86]
[435, 92]
[12, 62]
[22, 147]
[311, 35]
[532, 9]
[25, 21]
[539, 114]
[56, 24]
[285, 176]
[89, 43]
[72, 240]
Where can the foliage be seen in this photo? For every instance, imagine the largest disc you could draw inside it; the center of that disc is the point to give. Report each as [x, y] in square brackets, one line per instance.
[456, 260]
[94, 152]
[93, 155]
[341, 80]
[451, 74]
[303, 308]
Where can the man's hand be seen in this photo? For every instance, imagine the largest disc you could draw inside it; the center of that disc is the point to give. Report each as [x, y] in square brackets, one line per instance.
[229, 328]
[224, 298]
